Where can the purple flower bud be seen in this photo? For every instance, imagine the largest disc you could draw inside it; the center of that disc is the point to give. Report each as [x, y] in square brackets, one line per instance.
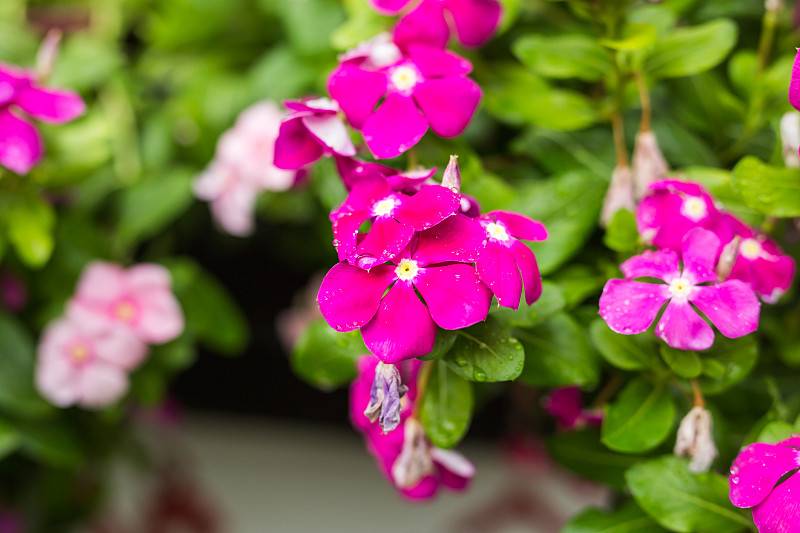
[695, 440]
[452, 175]
[384, 398]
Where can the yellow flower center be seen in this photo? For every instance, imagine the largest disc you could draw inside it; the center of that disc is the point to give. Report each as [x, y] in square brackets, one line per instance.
[750, 249]
[404, 78]
[694, 208]
[680, 287]
[125, 311]
[79, 352]
[496, 231]
[407, 270]
[385, 207]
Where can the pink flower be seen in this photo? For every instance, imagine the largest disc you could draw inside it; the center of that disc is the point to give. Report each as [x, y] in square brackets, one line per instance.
[395, 217]
[671, 209]
[794, 85]
[352, 170]
[138, 299]
[756, 482]
[631, 306]
[503, 257]
[421, 87]
[312, 130]
[410, 462]
[397, 325]
[475, 20]
[565, 405]
[233, 199]
[79, 365]
[21, 146]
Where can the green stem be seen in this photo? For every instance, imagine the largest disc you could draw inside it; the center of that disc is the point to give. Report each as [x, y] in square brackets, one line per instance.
[422, 385]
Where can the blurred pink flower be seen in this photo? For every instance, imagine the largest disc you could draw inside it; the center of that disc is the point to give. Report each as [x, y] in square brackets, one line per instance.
[77, 365]
[138, 299]
[566, 406]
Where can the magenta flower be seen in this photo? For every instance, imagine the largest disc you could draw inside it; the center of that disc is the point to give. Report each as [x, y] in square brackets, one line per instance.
[393, 96]
[405, 456]
[475, 20]
[631, 306]
[565, 405]
[78, 365]
[503, 257]
[352, 170]
[755, 482]
[139, 299]
[21, 146]
[671, 209]
[313, 129]
[395, 324]
[794, 85]
[395, 217]
[760, 262]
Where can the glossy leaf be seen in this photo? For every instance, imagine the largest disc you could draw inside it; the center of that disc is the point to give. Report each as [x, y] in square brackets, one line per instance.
[486, 352]
[691, 50]
[563, 56]
[325, 357]
[628, 519]
[628, 352]
[447, 406]
[771, 190]
[639, 419]
[684, 363]
[582, 453]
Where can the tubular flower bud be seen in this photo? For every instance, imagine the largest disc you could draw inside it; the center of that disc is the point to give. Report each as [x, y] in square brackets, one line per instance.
[384, 402]
[727, 258]
[452, 175]
[415, 461]
[649, 164]
[619, 195]
[695, 440]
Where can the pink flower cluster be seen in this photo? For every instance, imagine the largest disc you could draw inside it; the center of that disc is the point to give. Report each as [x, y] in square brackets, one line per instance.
[407, 458]
[724, 265]
[85, 357]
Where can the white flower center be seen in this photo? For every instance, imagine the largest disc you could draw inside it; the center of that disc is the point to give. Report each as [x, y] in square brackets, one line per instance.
[407, 270]
[680, 288]
[750, 249]
[404, 78]
[694, 208]
[385, 207]
[497, 231]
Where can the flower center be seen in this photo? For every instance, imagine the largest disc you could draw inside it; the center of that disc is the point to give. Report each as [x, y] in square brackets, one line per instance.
[404, 78]
[385, 207]
[750, 249]
[497, 231]
[79, 352]
[407, 270]
[680, 288]
[125, 311]
[694, 208]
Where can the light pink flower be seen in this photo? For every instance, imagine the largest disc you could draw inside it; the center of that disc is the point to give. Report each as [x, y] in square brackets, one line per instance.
[79, 365]
[630, 307]
[138, 299]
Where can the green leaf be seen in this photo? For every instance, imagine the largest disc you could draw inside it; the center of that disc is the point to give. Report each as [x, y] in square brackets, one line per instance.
[563, 56]
[578, 282]
[447, 405]
[151, 204]
[628, 352]
[682, 501]
[736, 356]
[635, 37]
[558, 353]
[640, 418]
[684, 363]
[770, 190]
[10, 438]
[362, 23]
[17, 360]
[621, 233]
[445, 338]
[309, 23]
[29, 222]
[550, 302]
[486, 352]
[53, 444]
[326, 358]
[691, 50]
[775, 432]
[582, 453]
[628, 519]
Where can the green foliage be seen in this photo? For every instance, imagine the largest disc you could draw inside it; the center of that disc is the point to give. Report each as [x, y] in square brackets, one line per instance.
[486, 352]
[326, 358]
[771, 190]
[446, 409]
[687, 51]
[628, 519]
[628, 352]
[582, 453]
[640, 418]
[565, 56]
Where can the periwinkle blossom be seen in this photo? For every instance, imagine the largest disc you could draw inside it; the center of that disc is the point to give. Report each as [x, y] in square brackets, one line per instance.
[21, 146]
[475, 20]
[764, 477]
[630, 306]
[352, 170]
[78, 365]
[394, 96]
[566, 406]
[794, 84]
[312, 129]
[504, 257]
[383, 301]
[395, 217]
[406, 457]
[138, 299]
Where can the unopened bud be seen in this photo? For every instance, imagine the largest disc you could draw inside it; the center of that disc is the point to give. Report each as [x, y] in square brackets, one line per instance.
[415, 461]
[727, 258]
[452, 175]
[790, 138]
[619, 195]
[48, 53]
[649, 164]
[695, 440]
[384, 398]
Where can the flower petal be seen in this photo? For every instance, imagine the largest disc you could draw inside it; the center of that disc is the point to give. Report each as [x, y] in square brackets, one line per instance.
[295, 147]
[331, 131]
[162, 317]
[520, 226]
[681, 327]
[456, 238]
[794, 85]
[731, 306]
[102, 384]
[631, 306]
[345, 232]
[454, 294]
[21, 148]
[424, 25]
[780, 511]
[349, 297]
[357, 91]
[388, 7]
[395, 127]
[662, 264]
[120, 347]
[386, 238]
[455, 471]
[529, 268]
[498, 269]
[700, 252]
[101, 281]
[437, 63]
[402, 328]
[55, 106]
[448, 103]
[475, 20]
[757, 469]
[428, 207]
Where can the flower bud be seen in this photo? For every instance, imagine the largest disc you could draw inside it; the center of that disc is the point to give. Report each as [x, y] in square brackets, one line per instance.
[415, 461]
[384, 401]
[727, 258]
[790, 138]
[452, 175]
[619, 195]
[695, 440]
[48, 53]
[649, 164]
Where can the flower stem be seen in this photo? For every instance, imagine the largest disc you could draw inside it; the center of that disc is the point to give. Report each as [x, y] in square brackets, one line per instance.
[422, 385]
[699, 401]
[412, 158]
[644, 98]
